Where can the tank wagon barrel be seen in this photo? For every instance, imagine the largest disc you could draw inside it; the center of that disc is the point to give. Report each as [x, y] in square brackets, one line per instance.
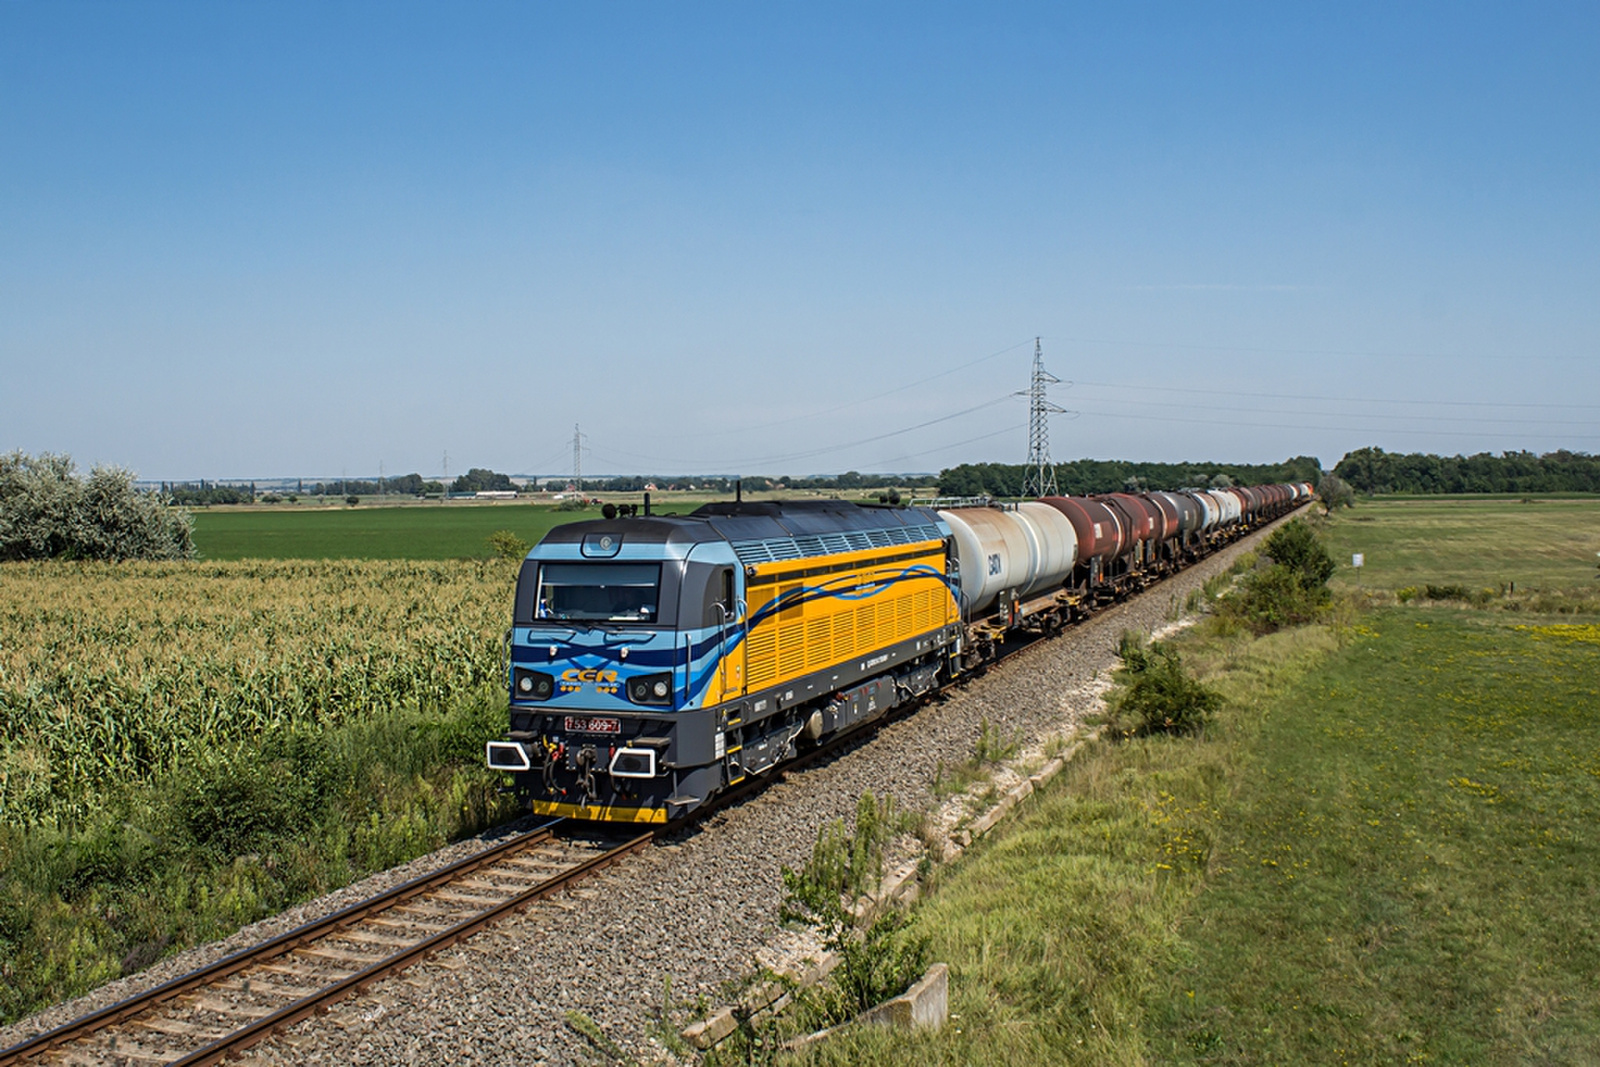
[657, 661]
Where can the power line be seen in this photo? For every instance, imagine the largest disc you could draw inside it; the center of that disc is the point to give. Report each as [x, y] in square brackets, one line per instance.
[741, 462]
[1335, 399]
[858, 401]
[1475, 419]
[954, 444]
[1321, 351]
[1231, 421]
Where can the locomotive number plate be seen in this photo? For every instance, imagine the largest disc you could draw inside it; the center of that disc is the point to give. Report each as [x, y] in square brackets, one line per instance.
[578, 725]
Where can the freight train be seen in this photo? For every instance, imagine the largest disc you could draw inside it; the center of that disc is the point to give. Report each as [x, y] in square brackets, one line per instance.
[657, 661]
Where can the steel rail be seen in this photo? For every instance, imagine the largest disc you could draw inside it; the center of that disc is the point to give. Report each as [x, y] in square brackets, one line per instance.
[312, 931]
[356, 983]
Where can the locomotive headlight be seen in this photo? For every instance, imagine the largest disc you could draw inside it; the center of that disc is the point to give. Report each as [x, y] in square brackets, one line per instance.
[650, 689]
[532, 685]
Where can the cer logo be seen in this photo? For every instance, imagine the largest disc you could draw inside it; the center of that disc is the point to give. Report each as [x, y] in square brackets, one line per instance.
[589, 674]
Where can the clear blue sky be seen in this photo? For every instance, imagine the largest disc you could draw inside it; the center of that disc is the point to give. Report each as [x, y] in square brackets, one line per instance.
[245, 240]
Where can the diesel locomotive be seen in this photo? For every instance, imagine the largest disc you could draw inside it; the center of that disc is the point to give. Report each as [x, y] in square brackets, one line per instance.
[656, 661]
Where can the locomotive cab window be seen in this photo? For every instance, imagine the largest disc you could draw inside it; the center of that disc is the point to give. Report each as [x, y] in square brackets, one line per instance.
[719, 599]
[598, 592]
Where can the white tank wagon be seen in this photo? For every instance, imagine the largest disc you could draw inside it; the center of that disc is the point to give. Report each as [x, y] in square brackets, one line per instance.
[1012, 553]
[1227, 505]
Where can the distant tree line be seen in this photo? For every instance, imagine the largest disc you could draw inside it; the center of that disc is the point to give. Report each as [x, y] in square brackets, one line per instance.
[48, 511]
[482, 480]
[1372, 470]
[637, 483]
[204, 494]
[399, 485]
[857, 480]
[1116, 476]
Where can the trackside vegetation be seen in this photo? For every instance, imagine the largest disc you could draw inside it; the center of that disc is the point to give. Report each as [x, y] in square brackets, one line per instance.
[1378, 849]
[48, 511]
[1292, 588]
[1157, 695]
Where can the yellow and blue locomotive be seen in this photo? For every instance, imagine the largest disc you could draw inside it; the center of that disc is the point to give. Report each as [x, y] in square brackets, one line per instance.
[656, 661]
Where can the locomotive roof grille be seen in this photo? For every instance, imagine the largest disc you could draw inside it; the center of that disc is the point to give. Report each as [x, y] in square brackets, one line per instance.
[774, 549]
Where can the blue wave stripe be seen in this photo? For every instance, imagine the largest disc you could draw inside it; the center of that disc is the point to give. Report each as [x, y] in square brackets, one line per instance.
[708, 647]
[811, 594]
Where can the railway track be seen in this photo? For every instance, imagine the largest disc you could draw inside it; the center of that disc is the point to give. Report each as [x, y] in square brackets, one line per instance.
[219, 1010]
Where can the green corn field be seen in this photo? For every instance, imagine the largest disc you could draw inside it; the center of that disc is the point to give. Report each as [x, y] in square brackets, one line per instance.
[116, 673]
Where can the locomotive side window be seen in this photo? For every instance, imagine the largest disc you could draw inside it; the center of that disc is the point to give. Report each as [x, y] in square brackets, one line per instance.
[599, 592]
[717, 607]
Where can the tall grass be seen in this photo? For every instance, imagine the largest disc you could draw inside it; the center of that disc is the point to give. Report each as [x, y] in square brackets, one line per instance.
[241, 834]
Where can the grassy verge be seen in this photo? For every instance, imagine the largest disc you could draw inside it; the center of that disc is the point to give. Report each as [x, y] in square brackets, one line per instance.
[1060, 929]
[243, 834]
[1407, 869]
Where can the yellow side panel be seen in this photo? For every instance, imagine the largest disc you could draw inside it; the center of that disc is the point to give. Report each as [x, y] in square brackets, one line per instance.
[761, 656]
[827, 630]
[866, 627]
[791, 648]
[818, 643]
[844, 635]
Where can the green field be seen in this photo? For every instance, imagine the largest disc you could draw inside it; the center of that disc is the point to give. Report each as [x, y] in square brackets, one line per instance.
[1407, 870]
[1543, 544]
[186, 747]
[458, 530]
[452, 531]
[1381, 852]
